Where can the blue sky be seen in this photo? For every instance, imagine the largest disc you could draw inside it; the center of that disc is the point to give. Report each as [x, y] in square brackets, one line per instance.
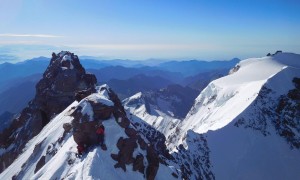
[142, 29]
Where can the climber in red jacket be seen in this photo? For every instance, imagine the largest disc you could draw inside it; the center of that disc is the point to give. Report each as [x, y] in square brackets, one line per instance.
[100, 132]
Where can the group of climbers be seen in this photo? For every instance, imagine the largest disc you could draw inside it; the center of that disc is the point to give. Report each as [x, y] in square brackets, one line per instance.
[100, 130]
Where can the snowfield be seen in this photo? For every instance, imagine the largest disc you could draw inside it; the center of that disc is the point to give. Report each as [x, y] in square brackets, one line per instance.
[225, 98]
[245, 152]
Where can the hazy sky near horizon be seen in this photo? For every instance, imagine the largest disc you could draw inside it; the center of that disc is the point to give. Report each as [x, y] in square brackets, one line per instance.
[142, 29]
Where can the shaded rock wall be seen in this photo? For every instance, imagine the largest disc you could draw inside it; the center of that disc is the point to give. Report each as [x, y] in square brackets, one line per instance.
[63, 78]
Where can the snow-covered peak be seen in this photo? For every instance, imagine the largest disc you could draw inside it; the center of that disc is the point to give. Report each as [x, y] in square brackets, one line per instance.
[225, 98]
[134, 101]
[250, 120]
[134, 97]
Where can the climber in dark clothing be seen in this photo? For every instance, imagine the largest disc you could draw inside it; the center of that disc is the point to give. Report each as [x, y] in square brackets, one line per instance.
[100, 133]
[80, 149]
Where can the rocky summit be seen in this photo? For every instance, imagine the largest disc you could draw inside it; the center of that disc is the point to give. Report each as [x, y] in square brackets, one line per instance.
[64, 81]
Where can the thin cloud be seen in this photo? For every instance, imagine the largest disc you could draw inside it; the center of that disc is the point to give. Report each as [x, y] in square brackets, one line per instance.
[31, 35]
[19, 42]
[144, 46]
[7, 58]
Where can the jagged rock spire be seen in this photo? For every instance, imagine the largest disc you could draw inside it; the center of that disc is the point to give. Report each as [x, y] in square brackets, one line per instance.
[63, 78]
[64, 81]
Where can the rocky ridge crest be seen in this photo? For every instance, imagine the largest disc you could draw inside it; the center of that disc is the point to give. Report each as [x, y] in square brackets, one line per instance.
[64, 81]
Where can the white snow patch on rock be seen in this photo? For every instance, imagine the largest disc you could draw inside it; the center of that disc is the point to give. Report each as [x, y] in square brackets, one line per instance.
[100, 98]
[87, 109]
[67, 57]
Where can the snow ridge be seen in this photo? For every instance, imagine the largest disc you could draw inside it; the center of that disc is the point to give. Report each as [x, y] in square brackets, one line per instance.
[250, 120]
[235, 92]
[51, 154]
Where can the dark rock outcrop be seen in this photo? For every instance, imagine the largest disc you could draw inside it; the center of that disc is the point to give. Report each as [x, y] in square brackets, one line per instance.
[126, 147]
[138, 164]
[277, 52]
[287, 122]
[85, 124]
[235, 69]
[194, 161]
[283, 113]
[40, 164]
[63, 78]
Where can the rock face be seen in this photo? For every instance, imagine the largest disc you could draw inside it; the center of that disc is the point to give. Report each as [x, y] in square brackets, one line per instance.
[63, 78]
[64, 81]
[287, 122]
[283, 113]
[194, 161]
[235, 69]
[88, 115]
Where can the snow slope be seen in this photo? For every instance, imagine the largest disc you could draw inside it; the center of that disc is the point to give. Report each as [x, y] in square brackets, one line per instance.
[49, 134]
[238, 115]
[137, 111]
[53, 151]
[225, 98]
[242, 126]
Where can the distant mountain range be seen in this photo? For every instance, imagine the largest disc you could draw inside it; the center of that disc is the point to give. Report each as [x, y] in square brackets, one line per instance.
[138, 83]
[122, 73]
[10, 72]
[126, 77]
[193, 67]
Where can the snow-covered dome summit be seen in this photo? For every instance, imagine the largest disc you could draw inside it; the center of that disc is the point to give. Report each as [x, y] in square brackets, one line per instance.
[225, 98]
[250, 119]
